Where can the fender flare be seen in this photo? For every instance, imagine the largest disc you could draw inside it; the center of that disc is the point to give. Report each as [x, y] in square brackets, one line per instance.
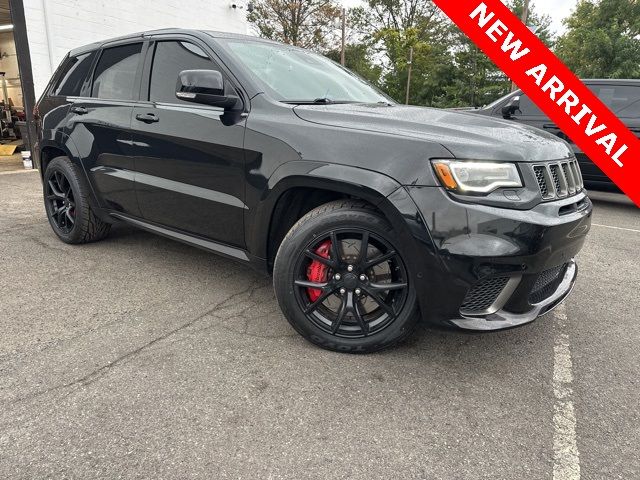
[371, 186]
[391, 198]
[61, 141]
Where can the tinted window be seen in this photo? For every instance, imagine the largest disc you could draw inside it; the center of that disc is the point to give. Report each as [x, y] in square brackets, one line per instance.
[169, 60]
[528, 108]
[115, 75]
[621, 99]
[76, 71]
[632, 110]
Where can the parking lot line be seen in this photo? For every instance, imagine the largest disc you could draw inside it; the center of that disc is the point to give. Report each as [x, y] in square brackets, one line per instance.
[566, 458]
[616, 228]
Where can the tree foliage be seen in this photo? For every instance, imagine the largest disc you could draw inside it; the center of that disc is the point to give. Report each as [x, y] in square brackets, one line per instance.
[448, 70]
[358, 58]
[304, 23]
[478, 81]
[602, 39]
[391, 28]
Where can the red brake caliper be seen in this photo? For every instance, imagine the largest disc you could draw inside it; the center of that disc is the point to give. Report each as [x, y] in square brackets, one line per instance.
[317, 271]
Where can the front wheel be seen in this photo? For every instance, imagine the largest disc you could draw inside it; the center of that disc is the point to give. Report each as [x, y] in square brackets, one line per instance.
[342, 282]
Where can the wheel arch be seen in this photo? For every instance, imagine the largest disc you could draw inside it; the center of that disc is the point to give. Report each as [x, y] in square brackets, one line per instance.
[55, 145]
[313, 184]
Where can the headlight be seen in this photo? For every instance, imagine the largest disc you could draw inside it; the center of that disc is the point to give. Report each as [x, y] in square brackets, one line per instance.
[476, 177]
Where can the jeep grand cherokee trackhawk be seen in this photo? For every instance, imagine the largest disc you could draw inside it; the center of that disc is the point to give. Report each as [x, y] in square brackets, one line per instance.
[369, 214]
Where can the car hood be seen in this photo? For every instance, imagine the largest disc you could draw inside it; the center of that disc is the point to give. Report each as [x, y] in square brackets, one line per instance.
[465, 135]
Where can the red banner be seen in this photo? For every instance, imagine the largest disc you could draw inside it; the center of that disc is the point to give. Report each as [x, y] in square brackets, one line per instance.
[552, 86]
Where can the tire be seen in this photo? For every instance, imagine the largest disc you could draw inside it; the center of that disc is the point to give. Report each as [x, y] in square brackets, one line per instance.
[361, 303]
[66, 200]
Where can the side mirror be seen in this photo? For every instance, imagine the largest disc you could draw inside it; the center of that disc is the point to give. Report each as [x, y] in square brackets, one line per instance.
[511, 107]
[204, 86]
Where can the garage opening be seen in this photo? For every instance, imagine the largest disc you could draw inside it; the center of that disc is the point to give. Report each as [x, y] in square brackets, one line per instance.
[13, 114]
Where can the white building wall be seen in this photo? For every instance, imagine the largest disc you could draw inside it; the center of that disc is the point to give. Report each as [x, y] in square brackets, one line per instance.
[56, 26]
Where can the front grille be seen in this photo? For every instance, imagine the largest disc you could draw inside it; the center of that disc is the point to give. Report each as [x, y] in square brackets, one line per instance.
[558, 179]
[542, 182]
[568, 174]
[546, 284]
[483, 295]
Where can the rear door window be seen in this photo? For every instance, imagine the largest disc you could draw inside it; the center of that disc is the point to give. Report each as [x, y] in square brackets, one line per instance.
[169, 59]
[115, 75]
[75, 73]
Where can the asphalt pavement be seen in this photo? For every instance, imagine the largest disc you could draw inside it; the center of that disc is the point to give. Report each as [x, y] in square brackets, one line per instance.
[140, 357]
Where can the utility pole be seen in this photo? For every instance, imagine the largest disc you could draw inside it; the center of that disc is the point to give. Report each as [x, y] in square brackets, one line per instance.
[525, 19]
[410, 64]
[344, 35]
[525, 12]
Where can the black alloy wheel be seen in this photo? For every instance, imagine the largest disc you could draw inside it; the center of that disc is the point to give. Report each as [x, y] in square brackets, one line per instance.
[342, 282]
[59, 194]
[361, 288]
[66, 201]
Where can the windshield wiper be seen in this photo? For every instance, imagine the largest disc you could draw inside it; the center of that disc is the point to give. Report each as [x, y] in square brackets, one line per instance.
[323, 100]
[318, 101]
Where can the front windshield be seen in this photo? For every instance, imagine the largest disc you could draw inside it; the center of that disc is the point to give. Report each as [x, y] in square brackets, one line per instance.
[294, 75]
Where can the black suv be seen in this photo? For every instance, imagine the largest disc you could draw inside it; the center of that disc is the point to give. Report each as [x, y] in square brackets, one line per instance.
[621, 96]
[368, 213]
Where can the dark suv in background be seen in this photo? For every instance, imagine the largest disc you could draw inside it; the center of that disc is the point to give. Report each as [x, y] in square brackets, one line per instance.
[368, 213]
[621, 96]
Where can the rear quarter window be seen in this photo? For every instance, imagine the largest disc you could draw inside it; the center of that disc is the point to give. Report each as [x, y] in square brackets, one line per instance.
[75, 74]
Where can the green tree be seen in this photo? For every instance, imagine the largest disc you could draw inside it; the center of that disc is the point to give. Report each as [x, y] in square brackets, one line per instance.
[304, 23]
[478, 81]
[392, 28]
[358, 58]
[542, 23]
[602, 39]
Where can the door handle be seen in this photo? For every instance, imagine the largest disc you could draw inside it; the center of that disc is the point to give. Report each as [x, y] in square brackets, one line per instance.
[147, 117]
[550, 126]
[79, 110]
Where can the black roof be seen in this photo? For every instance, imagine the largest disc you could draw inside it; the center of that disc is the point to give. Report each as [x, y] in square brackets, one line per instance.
[591, 81]
[611, 80]
[215, 34]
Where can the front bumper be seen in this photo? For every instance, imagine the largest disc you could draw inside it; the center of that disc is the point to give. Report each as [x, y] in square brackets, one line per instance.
[508, 251]
[504, 319]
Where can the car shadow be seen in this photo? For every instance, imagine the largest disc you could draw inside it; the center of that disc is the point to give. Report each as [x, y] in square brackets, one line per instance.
[256, 313]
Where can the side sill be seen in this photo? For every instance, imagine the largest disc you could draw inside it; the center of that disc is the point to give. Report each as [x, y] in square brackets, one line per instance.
[208, 245]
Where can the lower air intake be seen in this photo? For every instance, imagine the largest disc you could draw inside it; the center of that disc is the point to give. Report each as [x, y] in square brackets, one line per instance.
[546, 284]
[483, 295]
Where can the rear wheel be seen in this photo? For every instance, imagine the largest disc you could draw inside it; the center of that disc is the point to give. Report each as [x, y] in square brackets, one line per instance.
[66, 200]
[342, 282]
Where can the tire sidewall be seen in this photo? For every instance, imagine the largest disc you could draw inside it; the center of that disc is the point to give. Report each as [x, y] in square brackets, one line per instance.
[64, 166]
[304, 232]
